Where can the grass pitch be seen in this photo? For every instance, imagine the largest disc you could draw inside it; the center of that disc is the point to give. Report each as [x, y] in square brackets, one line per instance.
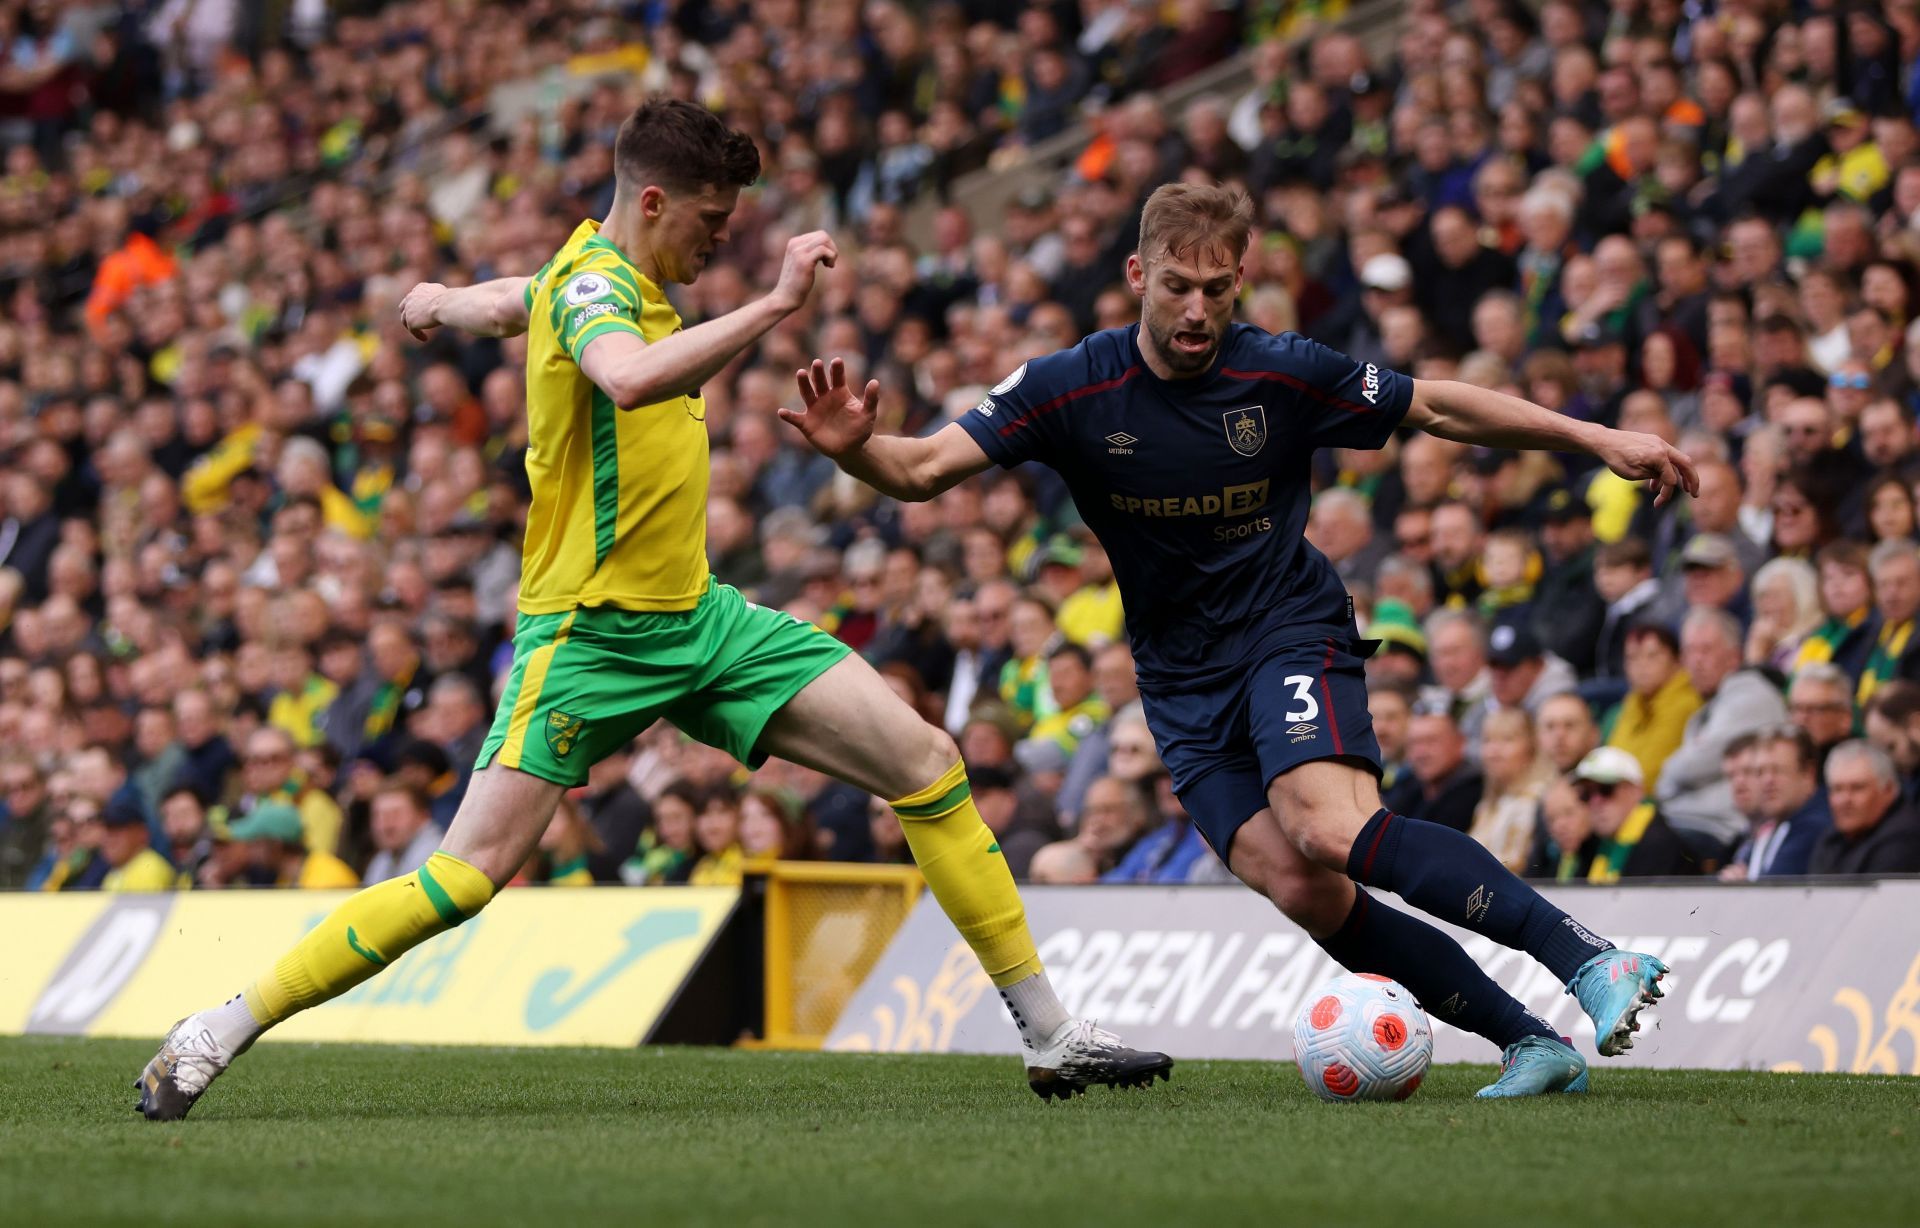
[563, 1139]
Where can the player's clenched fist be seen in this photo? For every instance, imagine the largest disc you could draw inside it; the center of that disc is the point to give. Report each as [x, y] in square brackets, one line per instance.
[418, 309]
[805, 253]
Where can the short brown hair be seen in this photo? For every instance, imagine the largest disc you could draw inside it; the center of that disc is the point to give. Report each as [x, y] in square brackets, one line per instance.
[682, 147]
[1185, 217]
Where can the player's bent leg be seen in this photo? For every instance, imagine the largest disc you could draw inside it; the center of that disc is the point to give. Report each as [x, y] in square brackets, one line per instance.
[851, 725]
[498, 824]
[1331, 811]
[1365, 935]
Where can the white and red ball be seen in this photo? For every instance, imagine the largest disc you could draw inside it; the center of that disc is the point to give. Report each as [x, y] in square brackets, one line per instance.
[1362, 1037]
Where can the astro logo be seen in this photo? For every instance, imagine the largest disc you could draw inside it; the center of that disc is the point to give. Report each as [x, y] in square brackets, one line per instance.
[1370, 385]
[1122, 443]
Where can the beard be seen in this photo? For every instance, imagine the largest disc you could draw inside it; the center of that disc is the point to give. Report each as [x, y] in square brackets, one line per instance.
[1180, 360]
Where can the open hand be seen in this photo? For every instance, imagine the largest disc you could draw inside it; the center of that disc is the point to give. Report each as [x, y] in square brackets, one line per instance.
[835, 420]
[1650, 459]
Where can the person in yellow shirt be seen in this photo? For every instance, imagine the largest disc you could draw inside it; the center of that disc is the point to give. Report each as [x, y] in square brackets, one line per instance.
[1856, 169]
[133, 865]
[1652, 719]
[1092, 615]
[717, 833]
[276, 841]
[1077, 709]
[622, 623]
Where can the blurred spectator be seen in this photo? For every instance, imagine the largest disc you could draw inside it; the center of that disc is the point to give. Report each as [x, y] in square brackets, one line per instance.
[667, 851]
[132, 865]
[1114, 682]
[1786, 612]
[774, 826]
[1390, 705]
[1874, 831]
[1566, 732]
[617, 813]
[1789, 812]
[716, 834]
[1652, 719]
[1118, 812]
[1523, 674]
[1631, 838]
[185, 821]
[1895, 568]
[1516, 776]
[1170, 852]
[269, 775]
[403, 838]
[273, 839]
[1892, 723]
[1820, 702]
[1442, 785]
[26, 819]
[1693, 794]
[1077, 706]
[1457, 647]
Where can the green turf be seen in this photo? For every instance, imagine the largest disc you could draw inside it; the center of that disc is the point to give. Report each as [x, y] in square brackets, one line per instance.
[563, 1139]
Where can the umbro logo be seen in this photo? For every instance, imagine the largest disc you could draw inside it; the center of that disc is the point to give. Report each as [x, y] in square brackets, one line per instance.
[1122, 443]
[1304, 732]
[1478, 903]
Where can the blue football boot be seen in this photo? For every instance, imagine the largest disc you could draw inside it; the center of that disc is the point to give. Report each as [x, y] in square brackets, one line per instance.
[1537, 1066]
[1613, 988]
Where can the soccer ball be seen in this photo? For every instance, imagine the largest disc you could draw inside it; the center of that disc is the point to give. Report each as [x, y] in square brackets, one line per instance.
[1362, 1038]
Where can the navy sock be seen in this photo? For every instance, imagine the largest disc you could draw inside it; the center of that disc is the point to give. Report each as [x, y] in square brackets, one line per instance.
[1450, 875]
[1450, 986]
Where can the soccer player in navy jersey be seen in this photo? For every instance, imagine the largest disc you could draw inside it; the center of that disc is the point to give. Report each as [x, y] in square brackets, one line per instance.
[1186, 441]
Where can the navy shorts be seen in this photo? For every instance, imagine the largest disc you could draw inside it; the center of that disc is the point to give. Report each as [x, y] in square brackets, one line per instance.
[1224, 742]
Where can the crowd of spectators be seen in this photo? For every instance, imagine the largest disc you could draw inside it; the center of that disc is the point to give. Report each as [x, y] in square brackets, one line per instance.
[260, 548]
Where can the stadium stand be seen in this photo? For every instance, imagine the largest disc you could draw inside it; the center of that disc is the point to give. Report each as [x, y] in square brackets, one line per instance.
[260, 548]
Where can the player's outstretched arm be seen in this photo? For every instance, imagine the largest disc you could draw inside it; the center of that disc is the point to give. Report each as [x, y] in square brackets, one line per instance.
[1468, 414]
[635, 373]
[496, 308]
[839, 424]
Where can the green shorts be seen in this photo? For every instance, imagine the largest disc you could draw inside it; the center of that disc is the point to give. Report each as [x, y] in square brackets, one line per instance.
[588, 681]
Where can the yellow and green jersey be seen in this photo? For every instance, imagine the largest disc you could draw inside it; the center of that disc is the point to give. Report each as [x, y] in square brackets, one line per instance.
[619, 510]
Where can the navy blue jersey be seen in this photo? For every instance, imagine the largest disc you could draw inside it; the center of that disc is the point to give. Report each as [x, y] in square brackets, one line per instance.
[1199, 488]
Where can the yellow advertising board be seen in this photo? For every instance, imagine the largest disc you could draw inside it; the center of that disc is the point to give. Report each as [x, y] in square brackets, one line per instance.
[537, 967]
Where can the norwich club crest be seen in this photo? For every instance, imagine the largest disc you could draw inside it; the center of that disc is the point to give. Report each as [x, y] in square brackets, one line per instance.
[562, 732]
[1246, 429]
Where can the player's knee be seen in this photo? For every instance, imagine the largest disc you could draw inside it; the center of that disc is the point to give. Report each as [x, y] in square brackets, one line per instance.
[934, 752]
[1312, 898]
[1322, 832]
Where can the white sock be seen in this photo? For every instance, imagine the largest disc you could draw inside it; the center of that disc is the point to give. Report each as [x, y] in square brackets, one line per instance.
[232, 1024]
[1035, 1008]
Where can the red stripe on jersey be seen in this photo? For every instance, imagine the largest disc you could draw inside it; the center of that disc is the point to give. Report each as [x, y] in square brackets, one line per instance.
[1295, 382]
[1047, 407]
[1326, 693]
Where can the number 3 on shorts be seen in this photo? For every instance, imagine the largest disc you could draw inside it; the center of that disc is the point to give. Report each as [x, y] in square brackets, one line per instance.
[1303, 692]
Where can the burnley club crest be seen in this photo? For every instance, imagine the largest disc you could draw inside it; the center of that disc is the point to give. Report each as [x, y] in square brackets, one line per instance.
[1246, 429]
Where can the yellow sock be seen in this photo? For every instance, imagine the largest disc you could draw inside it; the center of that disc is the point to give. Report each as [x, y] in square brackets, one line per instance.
[968, 876]
[366, 933]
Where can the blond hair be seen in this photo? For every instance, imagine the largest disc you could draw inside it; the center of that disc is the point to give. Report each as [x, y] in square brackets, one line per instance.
[1183, 217]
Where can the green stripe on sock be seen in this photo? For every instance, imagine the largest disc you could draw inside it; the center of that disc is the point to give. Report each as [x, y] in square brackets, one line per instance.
[442, 902]
[934, 809]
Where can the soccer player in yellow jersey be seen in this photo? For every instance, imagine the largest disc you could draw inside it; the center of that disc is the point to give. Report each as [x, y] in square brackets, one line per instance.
[621, 624]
